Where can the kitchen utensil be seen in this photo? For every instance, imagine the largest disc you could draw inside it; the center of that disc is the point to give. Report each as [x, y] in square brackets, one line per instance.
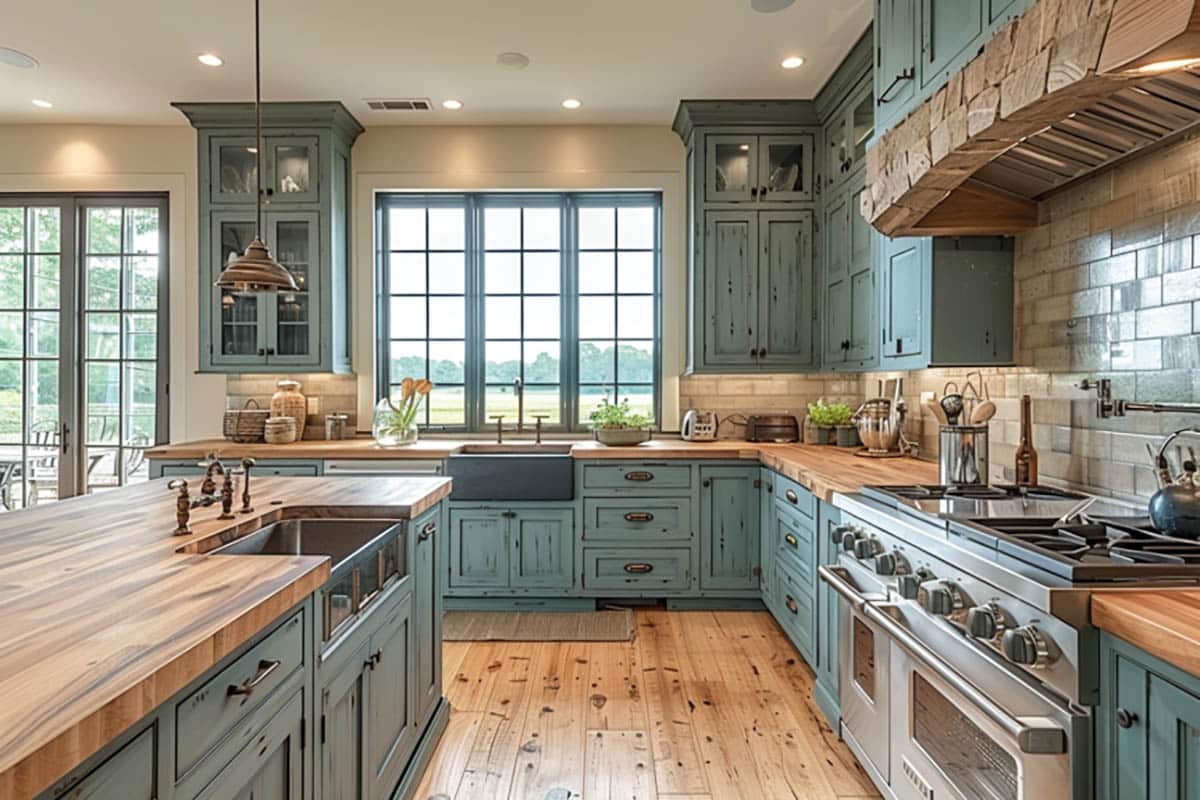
[335, 426]
[952, 404]
[878, 426]
[699, 426]
[983, 412]
[1175, 511]
[962, 455]
[935, 409]
[772, 428]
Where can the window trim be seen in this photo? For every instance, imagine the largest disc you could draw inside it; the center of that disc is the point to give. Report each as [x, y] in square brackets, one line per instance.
[474, 204]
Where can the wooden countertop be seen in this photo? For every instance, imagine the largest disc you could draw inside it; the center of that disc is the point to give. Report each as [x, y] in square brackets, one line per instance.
[104, 614]
[822, 469]
[1163, 622]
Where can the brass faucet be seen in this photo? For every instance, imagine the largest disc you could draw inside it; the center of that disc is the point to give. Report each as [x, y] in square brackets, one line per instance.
[183, 507]
[208, 488]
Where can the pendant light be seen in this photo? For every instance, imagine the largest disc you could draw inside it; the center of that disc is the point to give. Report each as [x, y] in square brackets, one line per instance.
[256, 270]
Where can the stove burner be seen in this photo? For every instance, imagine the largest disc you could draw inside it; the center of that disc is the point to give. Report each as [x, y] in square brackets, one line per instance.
[971, 492]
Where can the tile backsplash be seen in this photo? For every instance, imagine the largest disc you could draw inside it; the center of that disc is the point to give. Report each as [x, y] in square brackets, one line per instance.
[326, 393]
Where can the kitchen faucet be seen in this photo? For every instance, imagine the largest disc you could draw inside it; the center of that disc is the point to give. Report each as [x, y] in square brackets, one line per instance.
[1108, 406]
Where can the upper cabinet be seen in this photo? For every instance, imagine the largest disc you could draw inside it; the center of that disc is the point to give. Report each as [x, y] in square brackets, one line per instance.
[949, 28]
[752, 218]
[306, 223]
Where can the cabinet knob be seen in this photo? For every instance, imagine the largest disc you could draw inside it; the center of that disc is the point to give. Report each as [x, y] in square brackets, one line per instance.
[754, 191]
[706, 483]
[1126, 719]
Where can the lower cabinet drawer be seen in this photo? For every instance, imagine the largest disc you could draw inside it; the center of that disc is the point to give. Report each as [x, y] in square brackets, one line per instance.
[638, 522]
[649, 477]
[203, 718]
[793, 607]
[642, 568]
[794, 496]
[794, 537]
[127, 774]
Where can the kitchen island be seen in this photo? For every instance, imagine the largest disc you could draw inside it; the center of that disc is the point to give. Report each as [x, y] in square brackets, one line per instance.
[107, 617]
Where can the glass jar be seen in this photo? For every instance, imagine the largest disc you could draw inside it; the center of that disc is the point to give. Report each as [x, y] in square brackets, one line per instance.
[389, 429]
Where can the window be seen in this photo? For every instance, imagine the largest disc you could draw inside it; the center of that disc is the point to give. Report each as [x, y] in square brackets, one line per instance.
[82, 365]
[520, 305]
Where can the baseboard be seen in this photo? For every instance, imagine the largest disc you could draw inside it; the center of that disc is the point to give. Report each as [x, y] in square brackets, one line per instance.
[424, 753]
[715, 604]
[520, 604]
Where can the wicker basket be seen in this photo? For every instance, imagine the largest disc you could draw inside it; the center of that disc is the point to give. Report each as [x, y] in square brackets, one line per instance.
[246, 425]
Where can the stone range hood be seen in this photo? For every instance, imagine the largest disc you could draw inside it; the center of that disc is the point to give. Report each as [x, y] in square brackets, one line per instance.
[1063, 90]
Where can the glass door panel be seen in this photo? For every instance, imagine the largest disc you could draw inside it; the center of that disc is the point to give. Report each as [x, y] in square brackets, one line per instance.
[293, 240]
[235, 177]
[238, 338]
[292, 169]
[732, 168]
[862, 124]
[786, 167]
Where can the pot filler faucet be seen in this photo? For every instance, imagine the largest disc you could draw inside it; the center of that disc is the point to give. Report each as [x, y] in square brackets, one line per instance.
[1108, 406]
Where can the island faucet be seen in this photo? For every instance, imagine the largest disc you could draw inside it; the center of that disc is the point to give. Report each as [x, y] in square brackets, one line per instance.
[212, 466]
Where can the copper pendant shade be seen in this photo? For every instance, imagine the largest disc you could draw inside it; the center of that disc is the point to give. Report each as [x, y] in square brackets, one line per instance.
[256, 270]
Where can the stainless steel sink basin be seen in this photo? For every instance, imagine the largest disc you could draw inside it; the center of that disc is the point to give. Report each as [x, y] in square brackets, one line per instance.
[339, 539]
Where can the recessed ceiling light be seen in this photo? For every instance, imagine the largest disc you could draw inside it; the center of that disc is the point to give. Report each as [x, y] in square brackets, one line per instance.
[15, 58]
[210, 59]
[571, 104]
[452, 105]
[792, 62]
[512, 60]
[43, 103]
[770, 6]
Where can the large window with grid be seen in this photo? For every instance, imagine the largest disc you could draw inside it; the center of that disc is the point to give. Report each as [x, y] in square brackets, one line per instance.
[524, 307]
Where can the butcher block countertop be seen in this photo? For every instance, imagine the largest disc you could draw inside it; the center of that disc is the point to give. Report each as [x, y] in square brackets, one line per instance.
[820, 468]
[1164, 623]
[104, 614]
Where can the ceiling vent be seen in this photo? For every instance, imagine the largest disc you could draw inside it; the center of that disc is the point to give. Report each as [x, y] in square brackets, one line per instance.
[400, 104]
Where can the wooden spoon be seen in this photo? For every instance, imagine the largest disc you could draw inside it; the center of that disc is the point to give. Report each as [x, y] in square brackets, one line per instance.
[983, 412]
[936, 410]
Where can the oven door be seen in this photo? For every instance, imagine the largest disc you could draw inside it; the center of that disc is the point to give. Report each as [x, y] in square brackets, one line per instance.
[991, 736]
[863, 665]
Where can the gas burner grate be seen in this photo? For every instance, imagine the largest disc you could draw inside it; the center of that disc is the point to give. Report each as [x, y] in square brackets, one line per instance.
[968, 492]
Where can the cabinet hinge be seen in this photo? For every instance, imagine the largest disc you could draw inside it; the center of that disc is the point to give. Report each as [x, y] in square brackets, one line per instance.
[303, 732]
[322, 729]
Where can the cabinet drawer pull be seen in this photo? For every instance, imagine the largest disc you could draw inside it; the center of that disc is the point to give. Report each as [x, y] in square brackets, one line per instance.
[427, 530]
[639, 516]
[247, 687]
[374, 660]
[1126, 719]
[905, 75]
[792, 540]
[791, 496]
[641, 477]
[639, 568]
[791, 605]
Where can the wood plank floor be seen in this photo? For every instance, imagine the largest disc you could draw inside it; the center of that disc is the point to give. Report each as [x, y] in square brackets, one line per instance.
[700, 706]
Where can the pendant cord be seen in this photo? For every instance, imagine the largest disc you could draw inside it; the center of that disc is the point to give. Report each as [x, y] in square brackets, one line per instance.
[258, 140]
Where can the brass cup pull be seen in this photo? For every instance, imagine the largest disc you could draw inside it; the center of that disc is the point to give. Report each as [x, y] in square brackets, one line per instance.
[791, 539]
[427, 530]
[247, 687]
[639, 516]
[639, 568]
[790, 494]
[640, 477]
[791, 605]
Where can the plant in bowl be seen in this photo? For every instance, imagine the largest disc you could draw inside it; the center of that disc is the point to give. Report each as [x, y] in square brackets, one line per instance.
[615, 424]
[827, 417]
[394, 425]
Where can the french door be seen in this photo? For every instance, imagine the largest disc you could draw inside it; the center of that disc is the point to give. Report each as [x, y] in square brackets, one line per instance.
[82, 359]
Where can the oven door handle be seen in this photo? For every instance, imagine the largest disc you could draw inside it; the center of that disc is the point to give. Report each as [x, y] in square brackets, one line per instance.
[1035, 735]
[838, 579]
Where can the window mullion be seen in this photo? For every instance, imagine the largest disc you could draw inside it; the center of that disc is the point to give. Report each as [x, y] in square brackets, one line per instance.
[569, 280]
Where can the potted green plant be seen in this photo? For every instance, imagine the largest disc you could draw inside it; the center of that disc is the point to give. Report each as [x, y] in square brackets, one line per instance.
[830, 419]
[394, 425]
[616, 425]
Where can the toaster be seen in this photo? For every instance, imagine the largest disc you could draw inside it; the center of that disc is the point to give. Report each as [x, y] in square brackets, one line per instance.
[772, 428]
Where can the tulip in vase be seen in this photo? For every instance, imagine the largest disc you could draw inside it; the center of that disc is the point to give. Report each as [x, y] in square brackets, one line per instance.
[395, 425]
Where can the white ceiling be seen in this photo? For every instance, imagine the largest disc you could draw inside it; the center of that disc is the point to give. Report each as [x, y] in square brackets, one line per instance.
[630, 61]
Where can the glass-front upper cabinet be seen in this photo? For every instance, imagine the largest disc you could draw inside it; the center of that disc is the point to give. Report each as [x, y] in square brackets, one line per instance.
[847, 136]
[292, 169]
[862, 125]
[290, 163]
[238, 338]
[233, 177]
[294, 336]
[747, 169]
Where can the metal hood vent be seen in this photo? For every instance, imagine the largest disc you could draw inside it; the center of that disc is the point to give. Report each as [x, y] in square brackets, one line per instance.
[1068, 88]
[399, 104]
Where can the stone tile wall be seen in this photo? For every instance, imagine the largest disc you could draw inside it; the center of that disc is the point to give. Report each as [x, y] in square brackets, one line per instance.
[327, 394]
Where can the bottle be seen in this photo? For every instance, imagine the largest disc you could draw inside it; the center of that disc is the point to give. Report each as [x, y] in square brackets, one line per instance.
[1027, 459]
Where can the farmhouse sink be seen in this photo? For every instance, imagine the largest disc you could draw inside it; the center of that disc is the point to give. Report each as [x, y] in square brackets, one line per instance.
[339, 539]
[508, 475]
[518, 448]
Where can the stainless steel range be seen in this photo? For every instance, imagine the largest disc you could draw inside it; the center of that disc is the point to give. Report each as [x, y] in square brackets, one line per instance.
[968, 665]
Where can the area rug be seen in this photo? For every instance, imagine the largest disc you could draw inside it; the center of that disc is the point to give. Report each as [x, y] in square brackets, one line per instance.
[538, 626]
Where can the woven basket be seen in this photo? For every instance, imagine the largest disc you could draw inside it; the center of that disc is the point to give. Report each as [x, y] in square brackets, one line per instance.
[246, 425]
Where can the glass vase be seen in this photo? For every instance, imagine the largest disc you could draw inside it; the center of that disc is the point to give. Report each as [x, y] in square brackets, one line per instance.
[389, 429]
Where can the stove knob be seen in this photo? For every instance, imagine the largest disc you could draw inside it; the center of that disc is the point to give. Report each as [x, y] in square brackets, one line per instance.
[839, 533]
[1028, 647]
[940, 597]
[907, 586]
[986, 621]
[886, 563]
[866, 548]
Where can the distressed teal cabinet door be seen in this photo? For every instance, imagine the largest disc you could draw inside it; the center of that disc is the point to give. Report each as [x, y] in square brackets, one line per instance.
[391, 732]
[427, 611]
[895, 59]
[731, 290]
[341, 731]
[478, 548]
[1174, 741]
[128, 774]
[863, 298]
[543, 544]
[293, 321]
[836, 308]
[271, 767]
[729, 527]
[785, 318]
[948, 28]
[829, 520]
[766, 542]
[904, 278]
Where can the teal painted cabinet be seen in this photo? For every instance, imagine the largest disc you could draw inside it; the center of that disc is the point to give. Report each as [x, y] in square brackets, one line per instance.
[895, 78]
[270, 767]
[425, 534]
[291, 467]
[949, 28]
[129, 774]
[766, 544]
[729, 545]
[525, 549]
[969, 280]
[340, 743]
[306, 224]
[828, 684]
[391, 730]
[1147, 726]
